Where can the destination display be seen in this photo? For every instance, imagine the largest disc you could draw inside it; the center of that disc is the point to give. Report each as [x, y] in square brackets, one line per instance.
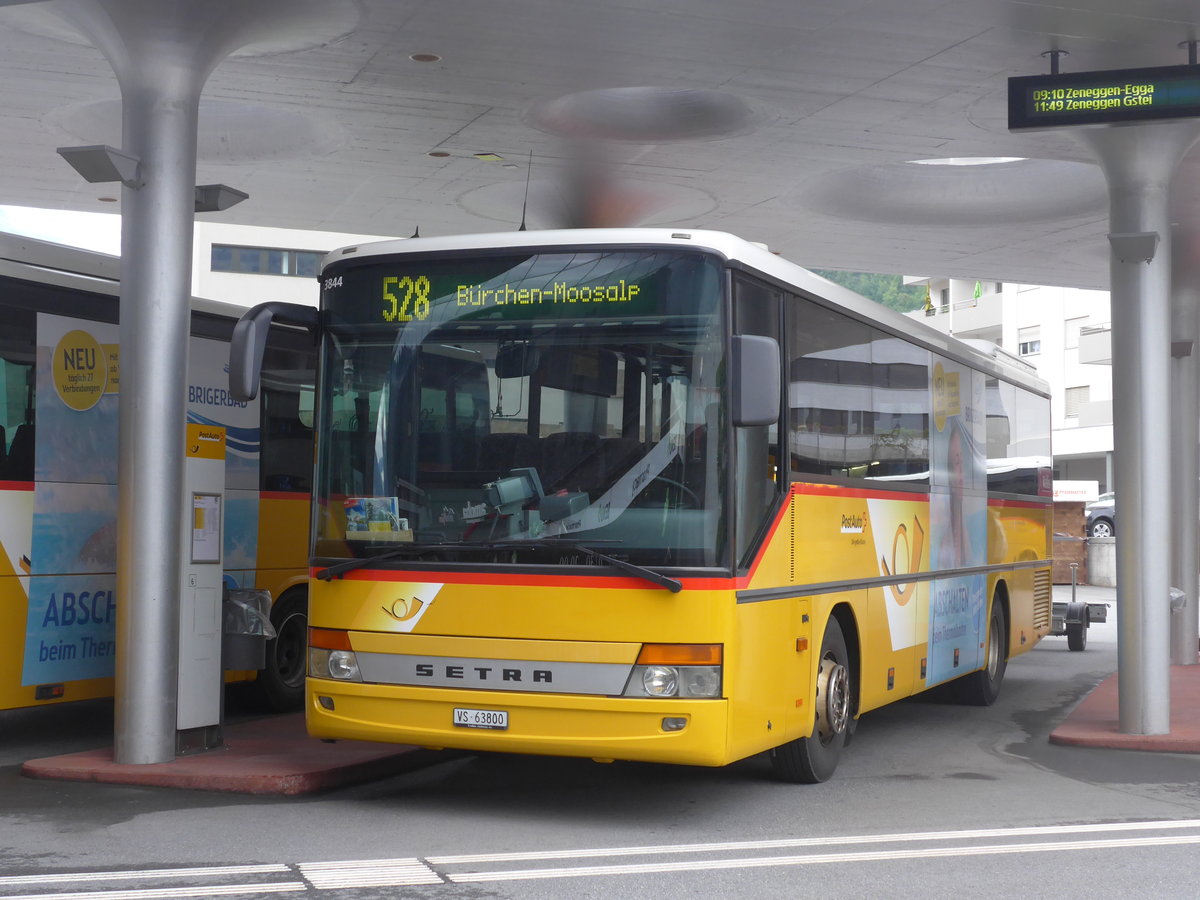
[1101, 98]
[407, 291]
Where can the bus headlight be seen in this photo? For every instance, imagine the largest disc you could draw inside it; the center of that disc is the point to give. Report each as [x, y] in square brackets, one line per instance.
[660, 681]
[339, 665]
[684, 682]
[676, 670]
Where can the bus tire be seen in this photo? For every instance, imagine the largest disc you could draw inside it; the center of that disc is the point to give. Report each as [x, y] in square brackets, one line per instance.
[281, 683]
[981, 688]
[813, 759]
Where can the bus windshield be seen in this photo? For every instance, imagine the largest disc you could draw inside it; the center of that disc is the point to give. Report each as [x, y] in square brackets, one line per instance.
[516, 407]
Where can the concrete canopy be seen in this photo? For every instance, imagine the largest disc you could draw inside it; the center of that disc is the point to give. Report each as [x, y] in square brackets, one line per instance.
[792, 122]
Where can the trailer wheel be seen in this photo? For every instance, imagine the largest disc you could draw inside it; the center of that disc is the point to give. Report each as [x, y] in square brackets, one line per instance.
[1077, 635]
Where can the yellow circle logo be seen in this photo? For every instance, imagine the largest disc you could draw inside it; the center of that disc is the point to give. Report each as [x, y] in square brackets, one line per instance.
[80, 370]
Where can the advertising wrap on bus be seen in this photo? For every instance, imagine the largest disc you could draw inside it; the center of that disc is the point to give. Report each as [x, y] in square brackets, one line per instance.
[69, 558]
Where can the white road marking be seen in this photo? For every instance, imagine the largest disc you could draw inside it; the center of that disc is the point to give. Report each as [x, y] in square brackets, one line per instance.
[817, 859]
[368, 873]
[406, 871]
[139, 874]
[783, 843]
[166, 893]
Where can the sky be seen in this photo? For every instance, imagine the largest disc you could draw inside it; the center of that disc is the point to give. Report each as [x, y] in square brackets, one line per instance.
[92, 231]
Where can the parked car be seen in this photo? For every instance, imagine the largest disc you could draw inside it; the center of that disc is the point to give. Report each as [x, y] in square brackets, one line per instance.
[1102, 516]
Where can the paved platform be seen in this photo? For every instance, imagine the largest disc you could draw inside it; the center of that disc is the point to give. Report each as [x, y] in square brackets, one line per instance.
[1095, 722]
[264, 756]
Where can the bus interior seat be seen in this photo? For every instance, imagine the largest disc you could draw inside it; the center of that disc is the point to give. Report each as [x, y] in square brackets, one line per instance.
[572, 460]
[503, 451]
[289, 465]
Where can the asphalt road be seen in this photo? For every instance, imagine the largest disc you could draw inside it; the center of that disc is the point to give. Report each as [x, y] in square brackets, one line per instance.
[931, 800]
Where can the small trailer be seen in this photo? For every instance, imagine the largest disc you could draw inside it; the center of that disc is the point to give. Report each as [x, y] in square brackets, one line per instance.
[1072, 617]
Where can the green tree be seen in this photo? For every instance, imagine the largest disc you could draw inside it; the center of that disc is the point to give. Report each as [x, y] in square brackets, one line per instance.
[887, 290]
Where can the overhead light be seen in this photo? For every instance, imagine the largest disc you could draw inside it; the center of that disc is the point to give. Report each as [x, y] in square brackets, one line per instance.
[99, 163]
[967, 161]
[489, 157]
[438, 154]
[216, 197]
[425, 57]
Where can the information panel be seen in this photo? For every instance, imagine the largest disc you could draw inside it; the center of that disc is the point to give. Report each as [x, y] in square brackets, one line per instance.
[1103, 98]
[489, 289]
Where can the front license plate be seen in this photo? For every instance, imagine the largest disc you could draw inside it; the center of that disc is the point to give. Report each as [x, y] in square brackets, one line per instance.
[494, 719]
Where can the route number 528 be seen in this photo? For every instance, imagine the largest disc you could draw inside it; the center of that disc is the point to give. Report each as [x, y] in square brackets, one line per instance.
[405, 298]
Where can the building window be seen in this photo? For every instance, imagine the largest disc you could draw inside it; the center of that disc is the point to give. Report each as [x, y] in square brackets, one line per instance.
[266, 261]
[945, 302]
[1029, 341]
[1074, 399]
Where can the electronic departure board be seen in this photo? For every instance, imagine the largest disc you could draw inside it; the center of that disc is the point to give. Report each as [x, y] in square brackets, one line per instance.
[1102, 98]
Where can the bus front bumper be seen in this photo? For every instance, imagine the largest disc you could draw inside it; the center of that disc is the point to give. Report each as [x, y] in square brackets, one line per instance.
[691, 732]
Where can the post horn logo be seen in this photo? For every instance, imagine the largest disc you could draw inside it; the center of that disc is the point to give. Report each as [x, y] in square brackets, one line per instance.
[904, 592]
[404, 608]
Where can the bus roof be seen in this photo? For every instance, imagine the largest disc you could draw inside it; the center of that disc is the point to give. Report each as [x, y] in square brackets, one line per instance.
[45, 262]
[991, 359]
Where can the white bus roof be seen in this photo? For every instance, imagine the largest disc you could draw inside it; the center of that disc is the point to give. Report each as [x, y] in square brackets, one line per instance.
[731, 248]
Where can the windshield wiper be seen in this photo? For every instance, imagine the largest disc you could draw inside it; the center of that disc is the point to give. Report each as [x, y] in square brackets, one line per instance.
[348, 565]
[671, 584]
[337, 569]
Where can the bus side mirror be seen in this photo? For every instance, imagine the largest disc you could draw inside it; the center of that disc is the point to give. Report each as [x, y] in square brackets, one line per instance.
[250, 341]
[754, 380]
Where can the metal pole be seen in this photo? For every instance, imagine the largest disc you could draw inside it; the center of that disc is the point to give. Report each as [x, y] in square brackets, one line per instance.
[162, 52]
[1138, 163]
[1185, 435]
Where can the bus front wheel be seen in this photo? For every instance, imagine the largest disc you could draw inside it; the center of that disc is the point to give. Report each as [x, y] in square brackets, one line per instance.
[281, 683]
[813, 759]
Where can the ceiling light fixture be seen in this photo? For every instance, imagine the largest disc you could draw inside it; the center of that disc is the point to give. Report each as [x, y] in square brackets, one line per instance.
[967, 161]
[425, 57]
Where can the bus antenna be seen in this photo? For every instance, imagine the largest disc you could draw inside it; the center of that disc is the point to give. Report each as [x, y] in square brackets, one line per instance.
[525, 202]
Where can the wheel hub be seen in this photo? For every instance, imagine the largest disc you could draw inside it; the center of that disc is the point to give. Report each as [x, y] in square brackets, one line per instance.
[833, 698]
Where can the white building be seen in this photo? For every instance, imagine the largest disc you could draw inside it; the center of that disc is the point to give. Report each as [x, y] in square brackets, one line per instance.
[1064, 333]
[248, 264]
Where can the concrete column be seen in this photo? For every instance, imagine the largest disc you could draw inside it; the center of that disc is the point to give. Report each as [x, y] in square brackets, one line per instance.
[1138, 163]
[162, 52]
[1185, 437]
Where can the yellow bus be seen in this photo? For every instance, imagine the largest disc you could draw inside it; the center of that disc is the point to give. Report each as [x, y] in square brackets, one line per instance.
[58, 473]
[640, 494]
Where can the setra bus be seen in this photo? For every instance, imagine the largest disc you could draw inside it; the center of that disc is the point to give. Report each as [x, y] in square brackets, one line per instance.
[58, 474]
[653, 495]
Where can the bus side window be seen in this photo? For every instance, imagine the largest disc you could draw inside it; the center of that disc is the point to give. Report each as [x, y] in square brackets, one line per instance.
[16, 410]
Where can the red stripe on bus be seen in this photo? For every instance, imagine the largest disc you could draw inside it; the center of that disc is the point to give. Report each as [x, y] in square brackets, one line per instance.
[622, 582]
[16, 485]
[837, 490]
